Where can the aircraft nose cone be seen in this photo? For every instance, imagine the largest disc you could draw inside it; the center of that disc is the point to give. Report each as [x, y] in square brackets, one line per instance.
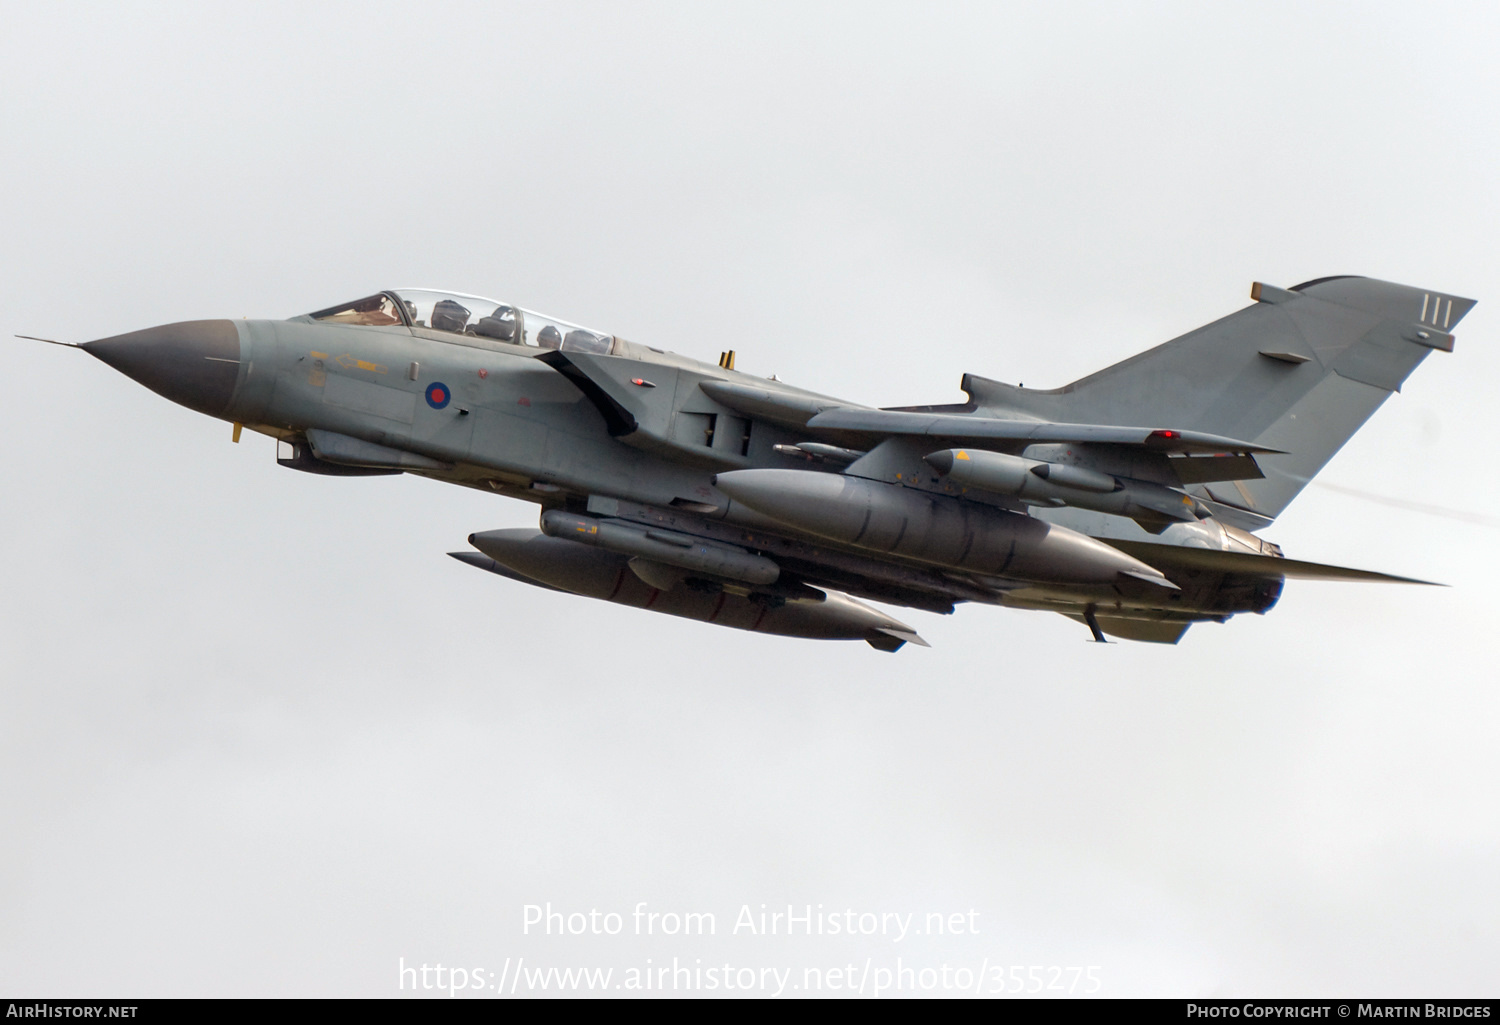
[195, 363]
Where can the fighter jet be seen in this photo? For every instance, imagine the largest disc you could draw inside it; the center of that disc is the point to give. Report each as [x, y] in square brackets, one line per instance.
[1128, 500]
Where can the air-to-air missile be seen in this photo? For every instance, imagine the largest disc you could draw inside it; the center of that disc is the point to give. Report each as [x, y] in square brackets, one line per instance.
[1128, 500]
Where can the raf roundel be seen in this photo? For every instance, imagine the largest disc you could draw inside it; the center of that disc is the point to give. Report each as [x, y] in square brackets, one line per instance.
[438, 395]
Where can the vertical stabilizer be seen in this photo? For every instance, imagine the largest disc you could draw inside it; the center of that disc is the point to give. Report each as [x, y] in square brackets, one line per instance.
[1300, 371]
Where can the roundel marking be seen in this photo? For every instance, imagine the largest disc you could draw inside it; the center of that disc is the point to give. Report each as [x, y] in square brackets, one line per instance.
[438, 395]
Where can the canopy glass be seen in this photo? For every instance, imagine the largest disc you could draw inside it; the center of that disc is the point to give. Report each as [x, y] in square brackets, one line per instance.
[472, 318]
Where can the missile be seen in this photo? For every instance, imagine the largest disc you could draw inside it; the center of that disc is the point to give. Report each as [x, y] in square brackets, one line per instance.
[931, 528]
[815, 452]
[666, 547]
[564, 565]
[1046, 483]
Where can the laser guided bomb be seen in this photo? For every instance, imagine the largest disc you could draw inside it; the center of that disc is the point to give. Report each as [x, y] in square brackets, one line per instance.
[1129, 500]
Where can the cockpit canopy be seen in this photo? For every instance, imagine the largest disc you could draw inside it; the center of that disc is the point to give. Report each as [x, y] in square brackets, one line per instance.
[472, 319]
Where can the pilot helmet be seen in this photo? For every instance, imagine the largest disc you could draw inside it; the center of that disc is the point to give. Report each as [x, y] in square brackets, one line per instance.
[448, 315]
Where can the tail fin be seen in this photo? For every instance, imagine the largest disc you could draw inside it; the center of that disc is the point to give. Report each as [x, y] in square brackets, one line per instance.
[1299, 371]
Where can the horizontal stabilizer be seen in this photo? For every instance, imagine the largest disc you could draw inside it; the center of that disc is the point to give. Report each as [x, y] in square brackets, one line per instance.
[1155, 439]
[1170, 557]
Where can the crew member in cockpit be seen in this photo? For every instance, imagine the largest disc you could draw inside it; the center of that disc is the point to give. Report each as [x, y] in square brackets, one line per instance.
[448, 315]
[500, 325]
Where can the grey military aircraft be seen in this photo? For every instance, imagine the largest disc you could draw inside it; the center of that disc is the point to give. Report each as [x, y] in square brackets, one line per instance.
[1128, 500]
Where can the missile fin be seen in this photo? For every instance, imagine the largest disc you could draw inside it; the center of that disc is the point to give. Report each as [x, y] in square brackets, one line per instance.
[1150, 578]
[888, 638]
[484, 562]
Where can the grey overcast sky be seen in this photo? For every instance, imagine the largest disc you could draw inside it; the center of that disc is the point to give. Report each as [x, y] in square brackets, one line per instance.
[259, 736]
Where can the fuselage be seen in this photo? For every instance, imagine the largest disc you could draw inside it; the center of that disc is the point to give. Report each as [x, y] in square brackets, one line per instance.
[491, 396]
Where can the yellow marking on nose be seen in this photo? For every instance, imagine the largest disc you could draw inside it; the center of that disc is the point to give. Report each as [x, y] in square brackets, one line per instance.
[962, 454]
[235, 437]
